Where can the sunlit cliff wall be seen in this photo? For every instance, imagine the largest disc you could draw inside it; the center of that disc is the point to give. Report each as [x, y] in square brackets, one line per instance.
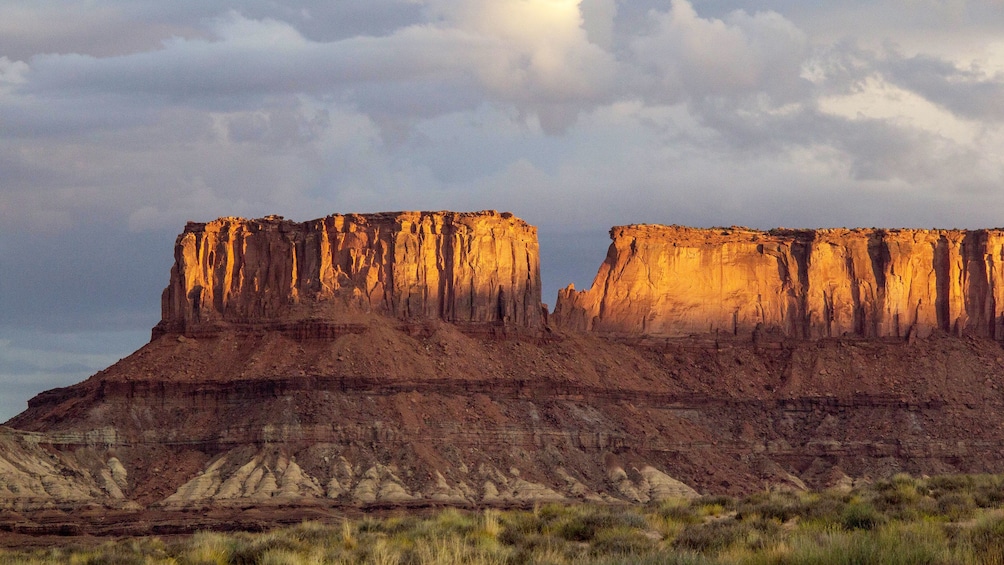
[675, 281]
[478, 267]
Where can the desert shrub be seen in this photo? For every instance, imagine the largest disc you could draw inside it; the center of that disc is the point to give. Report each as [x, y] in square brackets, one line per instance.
[284, 557]
[764, 533]
[583, 524]
[370, 524]
[781, 506]
[100, 557]
[727, 503]
[988, 491]
[834, 548]
[583, 528]
[861, 516]
[661, 558]
[551, 512]
[313, 533]
[951, 483]
[622, 540]
[517, 526]
[454, 521]
[985, 540]
[913, 544]
[207, 548]
[711, 537]
[899, 496]
[546, 549]
[678, 511]
[825, 507]
[249, 550]
[767, 528]
[955, 506]
[380, 552]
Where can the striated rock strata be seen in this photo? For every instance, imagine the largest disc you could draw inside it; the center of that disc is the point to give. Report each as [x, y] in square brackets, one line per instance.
[283, 385]
[480, 268]
[676, 281]
[384, 417]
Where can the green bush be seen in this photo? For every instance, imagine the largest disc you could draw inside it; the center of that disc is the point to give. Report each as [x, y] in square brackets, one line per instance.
[780, 506]
[986, 540]
[956, 506]
[988, 491]
[726, 502]
[518, 526]
[898, 521]
[622, 540]
[678, 511]
[825, 507]
[861, 516]
[712, 537]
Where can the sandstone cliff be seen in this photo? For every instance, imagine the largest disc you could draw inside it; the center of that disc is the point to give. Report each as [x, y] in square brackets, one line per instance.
[459, 267]
[283, 381]
[675, 281]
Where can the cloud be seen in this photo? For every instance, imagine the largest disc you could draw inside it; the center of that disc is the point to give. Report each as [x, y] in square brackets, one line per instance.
[33, 361]
[120, 121]
[11, 73]
[528, 53]
[687, 56]
[278, 109]
[972, 93]
[533, 50]
[598, 20]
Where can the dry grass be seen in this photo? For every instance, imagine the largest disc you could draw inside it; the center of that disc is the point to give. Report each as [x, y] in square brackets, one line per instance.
[902, 520]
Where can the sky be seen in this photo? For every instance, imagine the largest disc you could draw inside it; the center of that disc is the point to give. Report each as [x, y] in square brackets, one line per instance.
[120, 121]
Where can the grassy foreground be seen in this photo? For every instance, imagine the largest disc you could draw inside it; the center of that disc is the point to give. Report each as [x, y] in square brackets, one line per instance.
[951, 519]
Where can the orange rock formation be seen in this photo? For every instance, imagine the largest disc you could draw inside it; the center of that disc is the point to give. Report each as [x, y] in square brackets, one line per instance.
[675, 281]
[459, 267]
[268, 393]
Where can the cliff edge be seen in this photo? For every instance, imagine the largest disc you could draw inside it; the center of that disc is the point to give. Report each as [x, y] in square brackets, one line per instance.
[674, 281]
[287, 378]
[477, 268]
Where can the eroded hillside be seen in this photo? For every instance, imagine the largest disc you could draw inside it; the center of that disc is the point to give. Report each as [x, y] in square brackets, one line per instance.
[282, 377]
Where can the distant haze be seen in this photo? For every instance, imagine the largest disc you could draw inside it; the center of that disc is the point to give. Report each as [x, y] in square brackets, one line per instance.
[119, 121]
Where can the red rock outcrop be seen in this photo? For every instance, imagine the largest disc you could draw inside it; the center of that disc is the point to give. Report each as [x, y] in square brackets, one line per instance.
[675, 281]
[480, 268]
[282, 383]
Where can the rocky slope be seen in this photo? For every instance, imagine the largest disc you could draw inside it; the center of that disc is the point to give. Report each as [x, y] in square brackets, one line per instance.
[675, 281]
[313, 398]
[390, 416]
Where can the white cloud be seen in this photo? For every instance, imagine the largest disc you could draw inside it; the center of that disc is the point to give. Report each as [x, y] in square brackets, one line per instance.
[31, 361]
[876, 99]
[574, 115]
[253, 116]
[691, 56]
[11, 74]
[598, 20]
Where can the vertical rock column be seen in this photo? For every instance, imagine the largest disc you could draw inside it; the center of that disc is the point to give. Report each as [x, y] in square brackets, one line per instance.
[673, 281]
[459, 267]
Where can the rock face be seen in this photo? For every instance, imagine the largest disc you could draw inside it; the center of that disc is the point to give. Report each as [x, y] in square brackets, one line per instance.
[302, 369]
[675, 281]
[477, 268]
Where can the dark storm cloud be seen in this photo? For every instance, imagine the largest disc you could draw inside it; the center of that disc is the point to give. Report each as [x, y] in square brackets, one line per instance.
[32, 361]
[95, 277]
[970, 93]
